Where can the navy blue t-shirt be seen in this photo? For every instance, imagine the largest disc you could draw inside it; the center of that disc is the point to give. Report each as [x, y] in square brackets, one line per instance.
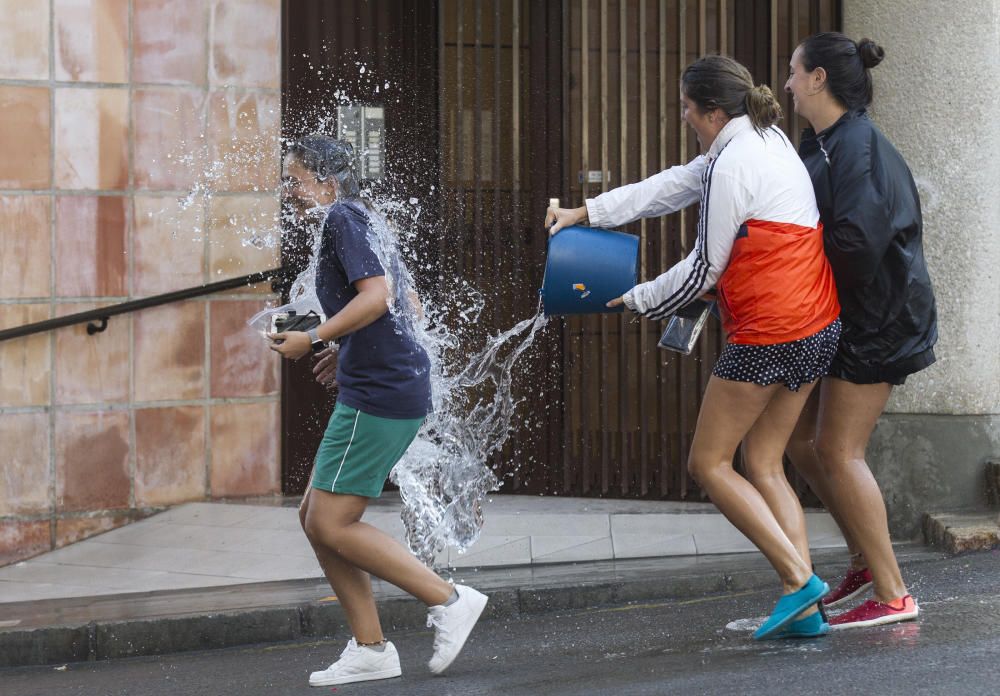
[381, 369]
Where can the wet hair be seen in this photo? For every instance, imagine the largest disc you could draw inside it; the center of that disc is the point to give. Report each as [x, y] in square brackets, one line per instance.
[328, 157]
[847, 64]
[719, 82]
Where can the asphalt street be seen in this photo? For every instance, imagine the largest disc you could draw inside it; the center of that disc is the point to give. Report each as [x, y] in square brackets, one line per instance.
[670, 647]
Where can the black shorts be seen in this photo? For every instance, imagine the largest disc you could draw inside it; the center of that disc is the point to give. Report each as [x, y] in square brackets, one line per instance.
[794, 363]
[849, 367]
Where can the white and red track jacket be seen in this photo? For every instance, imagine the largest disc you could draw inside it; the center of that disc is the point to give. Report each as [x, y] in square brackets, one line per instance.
[759, 238]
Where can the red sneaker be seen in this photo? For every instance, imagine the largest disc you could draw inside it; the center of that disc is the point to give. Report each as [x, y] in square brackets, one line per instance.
[856, 582]
[873, 613]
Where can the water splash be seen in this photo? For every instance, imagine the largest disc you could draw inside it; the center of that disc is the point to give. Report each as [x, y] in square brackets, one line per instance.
[444, 476]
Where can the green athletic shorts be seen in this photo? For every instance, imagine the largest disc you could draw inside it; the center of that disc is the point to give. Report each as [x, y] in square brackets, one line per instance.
[358, 451]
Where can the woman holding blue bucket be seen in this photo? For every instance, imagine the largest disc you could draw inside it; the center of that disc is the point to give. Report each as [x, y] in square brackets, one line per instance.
[760, 244]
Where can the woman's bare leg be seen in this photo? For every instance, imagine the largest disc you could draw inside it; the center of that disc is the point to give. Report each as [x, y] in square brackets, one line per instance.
[333, 521]
[847, 416]
[801, 450]
[763, 448]
[728, 412]
[352, 586]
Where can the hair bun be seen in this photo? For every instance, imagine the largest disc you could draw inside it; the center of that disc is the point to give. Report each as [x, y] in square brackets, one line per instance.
[871, 53]
[762, 107]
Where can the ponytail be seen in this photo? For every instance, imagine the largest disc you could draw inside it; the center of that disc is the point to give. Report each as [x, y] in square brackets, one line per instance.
[762, 108]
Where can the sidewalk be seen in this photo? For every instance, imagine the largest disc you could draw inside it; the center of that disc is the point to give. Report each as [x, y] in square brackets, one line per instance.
[208, 575]
[218, 544]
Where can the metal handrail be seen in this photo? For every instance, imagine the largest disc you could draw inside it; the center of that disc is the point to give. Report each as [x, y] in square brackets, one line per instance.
[104, 313]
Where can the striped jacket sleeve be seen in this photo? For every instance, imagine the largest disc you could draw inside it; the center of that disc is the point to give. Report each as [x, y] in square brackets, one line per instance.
[724, 205]
[663, 193]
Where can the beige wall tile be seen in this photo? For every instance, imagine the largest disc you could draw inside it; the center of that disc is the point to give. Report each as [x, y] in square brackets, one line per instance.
[91, 234]
[92, 470]
[243, 236]
[24, 137]
[176, 132]
[170, 352]
[25, 241]
[245, 43]
[169, 38]
[243, 134]
[20, 540]
[170, 455]
[168, 245]
[244, 446]
[24, 40]
[24, 362]
[70, 530]
[92, 369]
[91, 40]
[24, 477]
[169, 147]
[242, 364]
[91, 138]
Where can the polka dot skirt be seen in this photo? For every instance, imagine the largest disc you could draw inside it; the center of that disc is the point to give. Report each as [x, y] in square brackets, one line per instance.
[794, 363]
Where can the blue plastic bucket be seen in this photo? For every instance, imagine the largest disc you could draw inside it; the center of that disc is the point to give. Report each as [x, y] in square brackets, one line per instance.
[586, 267]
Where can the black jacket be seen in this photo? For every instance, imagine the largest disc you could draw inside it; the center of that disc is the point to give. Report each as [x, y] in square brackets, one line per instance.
[872, 231]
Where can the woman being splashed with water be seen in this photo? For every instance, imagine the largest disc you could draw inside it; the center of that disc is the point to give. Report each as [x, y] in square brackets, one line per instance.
[384, 395]
[760, 241]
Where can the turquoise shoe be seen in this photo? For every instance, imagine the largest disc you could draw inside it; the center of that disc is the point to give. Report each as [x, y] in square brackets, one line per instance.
[790, 606]
[812, 626]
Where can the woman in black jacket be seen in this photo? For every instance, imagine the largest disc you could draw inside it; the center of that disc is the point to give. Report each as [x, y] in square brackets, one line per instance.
[870, 211]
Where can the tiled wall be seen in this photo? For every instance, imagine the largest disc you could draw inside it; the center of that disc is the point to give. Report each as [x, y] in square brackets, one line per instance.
[110, 113]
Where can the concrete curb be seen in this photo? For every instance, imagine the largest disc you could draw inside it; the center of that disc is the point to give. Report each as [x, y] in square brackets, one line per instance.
[157, 636]
[103, 640]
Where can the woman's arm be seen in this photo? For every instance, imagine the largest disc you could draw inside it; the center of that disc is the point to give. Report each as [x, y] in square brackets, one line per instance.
[663, 193]
[721, 217]
[857, 241]
[369, 304]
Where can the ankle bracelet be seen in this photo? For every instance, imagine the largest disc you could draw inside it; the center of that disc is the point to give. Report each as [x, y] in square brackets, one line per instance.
[368, 645]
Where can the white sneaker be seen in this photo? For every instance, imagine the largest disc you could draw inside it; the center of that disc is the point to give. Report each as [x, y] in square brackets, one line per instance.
[358, 663]
[453, 625]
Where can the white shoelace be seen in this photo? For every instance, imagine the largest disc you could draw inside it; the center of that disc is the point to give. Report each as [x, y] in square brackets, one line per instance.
[435, 619]
[352, 648]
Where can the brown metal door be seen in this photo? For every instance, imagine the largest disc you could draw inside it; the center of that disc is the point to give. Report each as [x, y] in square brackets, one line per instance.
[501, 140]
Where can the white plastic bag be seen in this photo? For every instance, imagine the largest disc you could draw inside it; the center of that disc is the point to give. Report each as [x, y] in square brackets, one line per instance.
[305, 301]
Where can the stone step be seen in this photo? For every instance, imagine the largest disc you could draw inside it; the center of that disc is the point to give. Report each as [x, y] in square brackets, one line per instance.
[959, 532]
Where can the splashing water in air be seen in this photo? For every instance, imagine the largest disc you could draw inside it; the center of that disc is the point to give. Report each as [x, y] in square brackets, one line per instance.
[444, 477]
